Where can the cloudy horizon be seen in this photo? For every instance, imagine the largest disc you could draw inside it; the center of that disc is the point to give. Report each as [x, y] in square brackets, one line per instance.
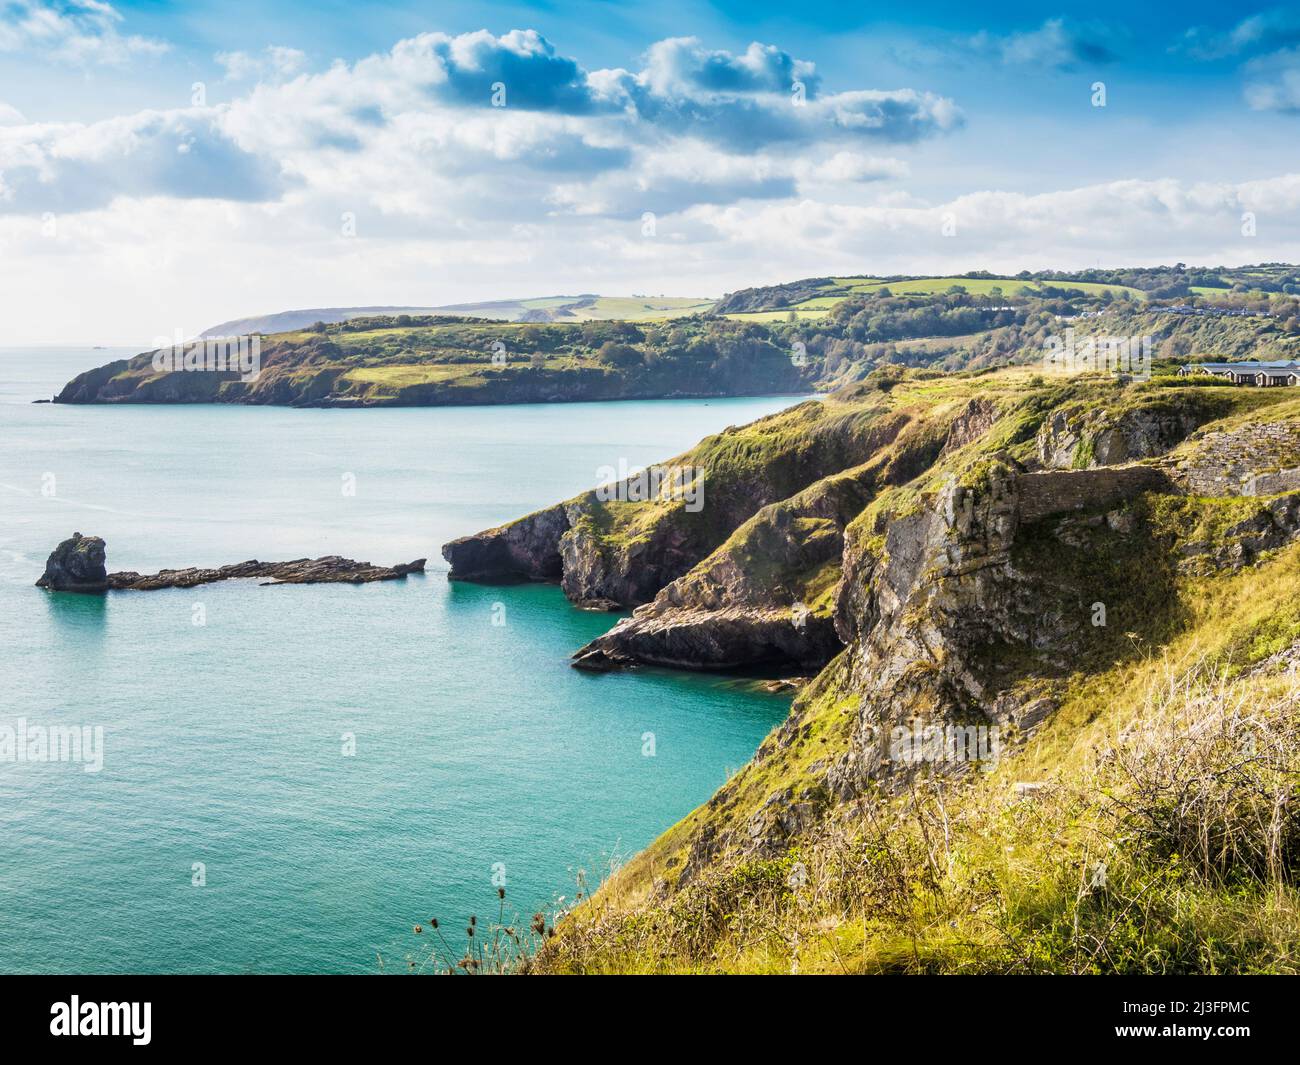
[162, 170]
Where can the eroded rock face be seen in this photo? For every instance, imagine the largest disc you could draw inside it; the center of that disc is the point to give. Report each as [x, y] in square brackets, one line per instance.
[76, 565]
[731, 638]
[523, 550]
[953, 619]
[1274, 524]
[603, 576]
[1087, 439]
[763, 598]
[1255, 458]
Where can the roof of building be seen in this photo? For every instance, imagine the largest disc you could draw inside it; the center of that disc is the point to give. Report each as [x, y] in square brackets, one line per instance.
[1243, 367]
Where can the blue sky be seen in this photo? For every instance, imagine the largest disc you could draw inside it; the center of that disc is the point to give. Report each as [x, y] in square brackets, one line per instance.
[164, 166]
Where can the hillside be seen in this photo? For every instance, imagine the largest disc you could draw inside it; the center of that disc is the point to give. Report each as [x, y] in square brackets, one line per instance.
[814, 297]
[786, 339]
[1052, 635]
[585, 308]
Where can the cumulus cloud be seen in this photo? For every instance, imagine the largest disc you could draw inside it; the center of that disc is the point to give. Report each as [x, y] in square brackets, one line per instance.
[83, 32]
[449, 129]
[682, 67]
[182, 154]
[762, 97]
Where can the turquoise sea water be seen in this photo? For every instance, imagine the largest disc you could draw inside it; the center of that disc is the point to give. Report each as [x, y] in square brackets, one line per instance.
[475, 743]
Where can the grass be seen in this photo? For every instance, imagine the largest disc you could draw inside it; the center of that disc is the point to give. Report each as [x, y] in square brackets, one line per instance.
[801, 313]
[1161, 834]
[816, 307]
[1162, 840]
[976, 286]
[639, 308]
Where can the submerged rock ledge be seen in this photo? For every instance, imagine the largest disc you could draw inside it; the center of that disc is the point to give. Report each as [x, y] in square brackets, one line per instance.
[77, 565]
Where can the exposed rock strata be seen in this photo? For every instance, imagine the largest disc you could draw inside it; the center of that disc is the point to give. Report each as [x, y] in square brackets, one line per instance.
[617, 554]
[1087, 437]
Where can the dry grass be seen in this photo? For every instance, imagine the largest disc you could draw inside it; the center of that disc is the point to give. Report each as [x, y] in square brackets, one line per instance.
[1172, 848]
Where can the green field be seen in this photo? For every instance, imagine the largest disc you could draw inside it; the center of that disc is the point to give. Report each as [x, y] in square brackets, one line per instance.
[976, 286]
[801, 311]
[636, 308]
[842, 288]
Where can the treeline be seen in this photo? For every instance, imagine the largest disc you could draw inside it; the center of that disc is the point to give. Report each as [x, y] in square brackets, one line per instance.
[1170, 282]
[953, 330]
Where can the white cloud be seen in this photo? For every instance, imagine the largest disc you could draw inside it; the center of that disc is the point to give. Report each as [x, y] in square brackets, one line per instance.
[1120, 222]
[68, 167]
[1264, 31]
[82, 32]
[1274, 82]
[415, 131]
[274, 62]
[196, 262]
[1056, 45]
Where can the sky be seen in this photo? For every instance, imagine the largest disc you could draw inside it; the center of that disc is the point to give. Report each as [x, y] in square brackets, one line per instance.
[166, 166]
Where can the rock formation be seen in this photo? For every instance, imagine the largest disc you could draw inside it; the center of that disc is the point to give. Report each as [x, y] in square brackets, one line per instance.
[822, 521]
[77, 565]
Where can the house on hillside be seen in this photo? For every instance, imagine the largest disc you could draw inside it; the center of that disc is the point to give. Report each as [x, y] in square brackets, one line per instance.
[1280, 372]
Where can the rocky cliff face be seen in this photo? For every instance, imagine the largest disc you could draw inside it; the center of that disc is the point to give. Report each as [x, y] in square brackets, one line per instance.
[1085, 436]
[772, 572]
[954, 581]
[76, 565]
[523, 550]
[974, 604]
[764, 597]
[620, 547]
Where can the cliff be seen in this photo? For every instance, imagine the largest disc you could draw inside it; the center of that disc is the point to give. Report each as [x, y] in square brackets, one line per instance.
[1018, 648]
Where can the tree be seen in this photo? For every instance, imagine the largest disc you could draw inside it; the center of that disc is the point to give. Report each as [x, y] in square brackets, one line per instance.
[620, 355]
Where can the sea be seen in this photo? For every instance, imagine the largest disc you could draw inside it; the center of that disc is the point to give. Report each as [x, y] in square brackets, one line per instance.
[289, 779]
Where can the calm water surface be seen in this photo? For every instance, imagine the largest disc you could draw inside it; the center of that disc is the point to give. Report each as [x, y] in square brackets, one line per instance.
[475, 744]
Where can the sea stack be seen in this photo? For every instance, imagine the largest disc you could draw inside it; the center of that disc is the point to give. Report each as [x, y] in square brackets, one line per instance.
[76, 565]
